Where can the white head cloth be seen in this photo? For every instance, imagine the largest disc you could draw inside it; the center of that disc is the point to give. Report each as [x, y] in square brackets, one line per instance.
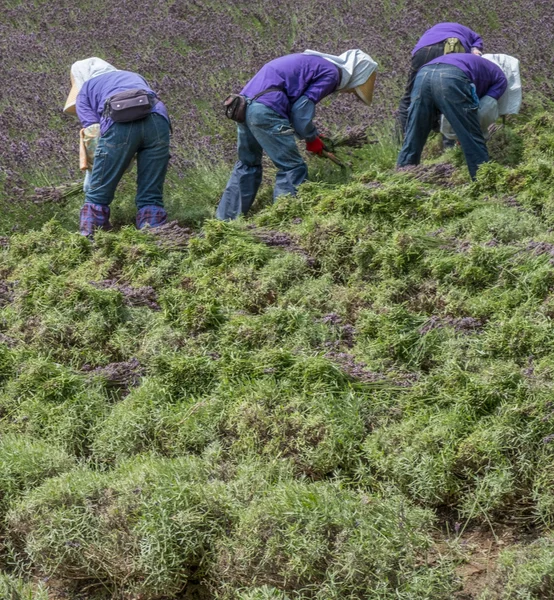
[83, 70]
[510, 101]
[356, 67]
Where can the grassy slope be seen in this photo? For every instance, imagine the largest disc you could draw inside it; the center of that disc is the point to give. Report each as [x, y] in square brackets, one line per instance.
[288, 407]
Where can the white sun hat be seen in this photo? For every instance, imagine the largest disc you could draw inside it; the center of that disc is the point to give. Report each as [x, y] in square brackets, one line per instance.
[82, 71]
[356, 68]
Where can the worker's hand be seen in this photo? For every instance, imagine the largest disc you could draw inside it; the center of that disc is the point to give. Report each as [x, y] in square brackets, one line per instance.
[316, 146]
[476, 51]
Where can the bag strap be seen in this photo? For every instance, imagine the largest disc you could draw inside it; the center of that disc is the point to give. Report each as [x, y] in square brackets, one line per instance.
[269, 89]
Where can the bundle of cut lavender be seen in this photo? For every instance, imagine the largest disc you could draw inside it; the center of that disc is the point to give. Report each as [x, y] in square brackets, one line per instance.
[56, 194]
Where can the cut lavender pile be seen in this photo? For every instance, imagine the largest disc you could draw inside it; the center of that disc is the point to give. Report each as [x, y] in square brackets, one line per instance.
[171, 235]
[540, 248]
[6, 292]
[439, 174]
[279, 239]
[352, 136]
[345, 330]
[513, 203]
[133, 296]
[460, 324]
[463, 245]
[56, 194]
[7, 340]
[372, 185]
[119, 374]
[358, 370]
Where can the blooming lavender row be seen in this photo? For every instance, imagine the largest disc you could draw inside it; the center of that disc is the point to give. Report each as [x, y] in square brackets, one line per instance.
[194, 53]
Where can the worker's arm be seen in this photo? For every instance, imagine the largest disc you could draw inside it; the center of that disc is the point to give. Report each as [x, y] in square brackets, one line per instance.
[497, 87]
[303, 110]
[476, 42]
[322, 86]
[301, 116]
[84, 110]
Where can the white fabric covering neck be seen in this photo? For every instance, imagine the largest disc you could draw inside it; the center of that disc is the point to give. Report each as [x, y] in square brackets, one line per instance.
[510, 101]
[83, 70]
[356, 67]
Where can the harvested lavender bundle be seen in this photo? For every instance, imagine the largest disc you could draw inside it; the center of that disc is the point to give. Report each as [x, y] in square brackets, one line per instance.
[56, 194]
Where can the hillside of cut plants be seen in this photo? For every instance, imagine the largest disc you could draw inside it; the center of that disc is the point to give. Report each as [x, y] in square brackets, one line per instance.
[325, 401]
[349, 395]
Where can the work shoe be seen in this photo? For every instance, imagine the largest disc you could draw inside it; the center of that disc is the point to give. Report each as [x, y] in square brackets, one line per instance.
[151, 215]
[94, 216]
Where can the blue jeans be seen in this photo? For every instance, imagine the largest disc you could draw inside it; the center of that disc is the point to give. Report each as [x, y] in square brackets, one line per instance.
[264, 129]
[444, 88]
[419, 59]
[149, 140]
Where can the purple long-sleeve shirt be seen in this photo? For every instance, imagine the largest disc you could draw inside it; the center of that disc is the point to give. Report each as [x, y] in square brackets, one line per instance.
[442, 31]
[297, 75]
[94, 93]
[488, 78]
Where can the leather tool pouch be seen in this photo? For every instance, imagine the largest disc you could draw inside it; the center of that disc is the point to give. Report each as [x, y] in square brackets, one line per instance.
[235, 104]
[130, 105]
[235, 107]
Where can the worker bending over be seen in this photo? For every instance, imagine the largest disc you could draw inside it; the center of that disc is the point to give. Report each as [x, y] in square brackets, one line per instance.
[281, 101]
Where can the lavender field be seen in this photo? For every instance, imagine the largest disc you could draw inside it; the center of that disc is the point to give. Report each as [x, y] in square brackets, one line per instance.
[346, 396]
[195, 52]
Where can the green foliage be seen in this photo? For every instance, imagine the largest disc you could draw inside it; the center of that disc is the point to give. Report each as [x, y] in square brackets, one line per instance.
[491, 178]
[14, 588]
[149, 523]
[527, 572]
[318, 431]
[273, 409]
[25, 463]
[350, 544]
[506, 147]
[152, 418]
[53, 403]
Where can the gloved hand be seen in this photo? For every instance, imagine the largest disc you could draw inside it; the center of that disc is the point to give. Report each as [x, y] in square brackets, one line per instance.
[316, 146]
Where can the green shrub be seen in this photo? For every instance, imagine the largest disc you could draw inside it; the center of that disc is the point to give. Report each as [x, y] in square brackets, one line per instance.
[317, 431]
[191, 312]
[152, 419]
[25, 463]
[418, 454]
[53, 403]
[144, 528]
[491, 178]
[14, 588]
[325, 542]
[527, 572]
